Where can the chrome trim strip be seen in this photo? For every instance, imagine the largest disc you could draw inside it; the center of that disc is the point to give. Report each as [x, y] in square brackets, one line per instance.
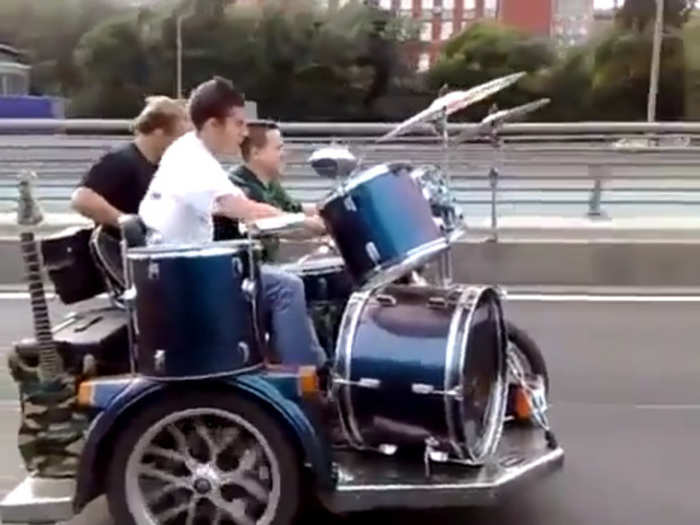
[509, 474]
[362, 301]
[236, 372]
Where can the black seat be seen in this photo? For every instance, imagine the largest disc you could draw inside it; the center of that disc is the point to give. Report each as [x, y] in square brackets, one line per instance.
[133, 230]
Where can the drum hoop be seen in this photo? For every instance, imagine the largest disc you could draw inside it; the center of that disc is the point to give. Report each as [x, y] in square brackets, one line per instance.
[351, 320]
[450, 349]
[349, 185]
[389, 272]
[171, 251]
[299, 269]
[495, 428]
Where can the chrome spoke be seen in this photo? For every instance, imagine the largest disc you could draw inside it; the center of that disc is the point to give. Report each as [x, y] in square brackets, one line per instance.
[203, 432]
[169, 514]
[168, 454]
[164, 477]
[180, 439]
[155, 497]
[191, 512]
[251, 486]
[235, 509]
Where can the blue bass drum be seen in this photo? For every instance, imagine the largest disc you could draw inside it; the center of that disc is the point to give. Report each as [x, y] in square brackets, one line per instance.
[417, 365]
[195, 310]
[382, 225]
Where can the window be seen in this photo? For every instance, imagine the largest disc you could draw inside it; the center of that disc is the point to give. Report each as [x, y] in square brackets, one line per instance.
[385, 4]
[407, 4]
[424, 62]
[469, 4]
[448, 4]
[426, 31]
[428, 4]
[447, 30]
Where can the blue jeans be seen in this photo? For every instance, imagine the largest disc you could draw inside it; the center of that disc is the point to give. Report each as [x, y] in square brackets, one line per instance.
[292, 334]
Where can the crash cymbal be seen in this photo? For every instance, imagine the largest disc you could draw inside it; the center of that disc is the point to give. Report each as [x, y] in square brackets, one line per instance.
[453, 102]
[499, 117]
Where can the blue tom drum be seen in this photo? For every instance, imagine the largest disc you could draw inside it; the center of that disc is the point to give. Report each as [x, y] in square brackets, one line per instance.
[195, 309]
[382, 224]
[417, 365]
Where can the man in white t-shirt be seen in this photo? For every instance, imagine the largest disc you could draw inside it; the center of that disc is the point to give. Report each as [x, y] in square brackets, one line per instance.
[191, 185]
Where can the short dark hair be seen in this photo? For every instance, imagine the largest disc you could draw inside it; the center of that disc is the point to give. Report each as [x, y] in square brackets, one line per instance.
[214, 99]
[257, 136]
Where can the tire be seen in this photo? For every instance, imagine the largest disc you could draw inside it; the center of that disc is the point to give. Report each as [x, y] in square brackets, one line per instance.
[185, 430]
[534, 363]
[530, 350]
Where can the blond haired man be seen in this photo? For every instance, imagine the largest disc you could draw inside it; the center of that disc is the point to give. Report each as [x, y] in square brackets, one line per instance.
[115, 185]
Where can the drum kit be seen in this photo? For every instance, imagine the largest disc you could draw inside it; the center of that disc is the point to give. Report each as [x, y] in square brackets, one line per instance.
[413, 363]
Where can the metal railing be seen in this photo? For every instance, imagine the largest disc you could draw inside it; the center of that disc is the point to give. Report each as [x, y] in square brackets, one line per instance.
[562, 169]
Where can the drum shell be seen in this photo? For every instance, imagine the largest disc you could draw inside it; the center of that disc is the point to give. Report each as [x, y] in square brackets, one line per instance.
[193, 318]
[394, 353]
[389, 211]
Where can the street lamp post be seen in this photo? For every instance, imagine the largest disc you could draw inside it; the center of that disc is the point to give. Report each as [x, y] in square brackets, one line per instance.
[179, 56]
[655, 61]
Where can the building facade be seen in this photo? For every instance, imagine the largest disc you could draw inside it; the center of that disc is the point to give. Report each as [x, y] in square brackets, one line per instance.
[14, 76]
[568, 21]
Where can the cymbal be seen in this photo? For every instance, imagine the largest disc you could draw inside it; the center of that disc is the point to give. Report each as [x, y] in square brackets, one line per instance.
[453, 102]
[502, 116]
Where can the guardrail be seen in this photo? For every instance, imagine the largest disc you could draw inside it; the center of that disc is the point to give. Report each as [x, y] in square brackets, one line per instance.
[563, 169]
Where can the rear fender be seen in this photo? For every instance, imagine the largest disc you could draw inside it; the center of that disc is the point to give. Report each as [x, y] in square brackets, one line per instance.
[120, 399]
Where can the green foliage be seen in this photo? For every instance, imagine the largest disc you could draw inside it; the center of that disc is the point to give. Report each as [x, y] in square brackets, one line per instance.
[305, 63]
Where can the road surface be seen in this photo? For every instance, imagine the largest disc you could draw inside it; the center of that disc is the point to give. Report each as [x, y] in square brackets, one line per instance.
[626, 407]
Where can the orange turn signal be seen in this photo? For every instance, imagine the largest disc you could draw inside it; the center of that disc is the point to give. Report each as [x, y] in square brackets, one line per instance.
[85, 392]
[309, 385]
[523, 407]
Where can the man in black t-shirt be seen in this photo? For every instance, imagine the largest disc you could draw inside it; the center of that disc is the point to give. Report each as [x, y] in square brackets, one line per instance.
[116, 184]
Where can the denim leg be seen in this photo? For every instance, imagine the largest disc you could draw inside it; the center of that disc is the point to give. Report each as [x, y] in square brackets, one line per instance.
[293, 337]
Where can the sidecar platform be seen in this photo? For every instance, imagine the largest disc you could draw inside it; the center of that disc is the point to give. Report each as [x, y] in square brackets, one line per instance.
[375, 481]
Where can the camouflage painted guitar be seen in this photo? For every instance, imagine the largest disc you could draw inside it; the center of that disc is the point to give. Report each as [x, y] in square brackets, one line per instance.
[51, 433]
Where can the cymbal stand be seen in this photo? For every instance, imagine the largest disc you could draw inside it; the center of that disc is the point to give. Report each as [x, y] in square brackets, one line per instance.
[496, 142]
[445, 266]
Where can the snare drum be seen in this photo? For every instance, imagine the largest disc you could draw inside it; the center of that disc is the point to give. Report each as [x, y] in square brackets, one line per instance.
[417, 365]
[325, 279]
[382, 225]
[195, 315]
[328, 286]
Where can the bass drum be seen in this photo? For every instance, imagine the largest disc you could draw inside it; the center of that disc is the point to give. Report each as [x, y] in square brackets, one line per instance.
[418, 365]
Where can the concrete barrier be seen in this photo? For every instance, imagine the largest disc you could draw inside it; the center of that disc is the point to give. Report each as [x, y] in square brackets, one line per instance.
[528, 263]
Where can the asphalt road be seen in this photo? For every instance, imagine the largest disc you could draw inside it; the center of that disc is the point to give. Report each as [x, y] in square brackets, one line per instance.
[626, 407]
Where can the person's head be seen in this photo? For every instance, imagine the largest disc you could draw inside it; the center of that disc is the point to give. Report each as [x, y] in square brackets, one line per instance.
[161, 121]
[263, 148]
[217, 111]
